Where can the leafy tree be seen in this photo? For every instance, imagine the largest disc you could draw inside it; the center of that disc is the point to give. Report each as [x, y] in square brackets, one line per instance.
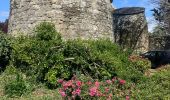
[162, 13]
[159, 31]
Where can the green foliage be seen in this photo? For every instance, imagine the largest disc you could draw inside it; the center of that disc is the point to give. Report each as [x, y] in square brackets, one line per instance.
[48, 58]
[16, 87]
[5, 51]
[16, 83]
[142, 65]
[46, 31]
[37, 55]
[45, 58]
[99, 59]
[139, 63]
[156, 87]
[158, 31]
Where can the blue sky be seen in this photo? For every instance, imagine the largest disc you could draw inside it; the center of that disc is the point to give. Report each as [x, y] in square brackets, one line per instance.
[4, 8]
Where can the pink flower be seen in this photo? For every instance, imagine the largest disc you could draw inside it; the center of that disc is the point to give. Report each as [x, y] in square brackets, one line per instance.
[127, 98]
[78, 91]
[93, 91]
[78, 83]
[108, 81]
[74, 93]
[64, 85]
[98, 93]
[63, 94]
[74, 77]
[97, 84]
[110, 97]
[113, 80]
[122, 82]
[89, 83]
[60, 81]
[67, 84]
[107, 90]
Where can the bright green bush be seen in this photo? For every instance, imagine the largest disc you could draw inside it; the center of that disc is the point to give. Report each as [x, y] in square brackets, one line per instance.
[5, 51]
[139, 63]
[155, 87]
[36, 55]
[100, 59]
[46, 31]
[48, 58]
[16, 87]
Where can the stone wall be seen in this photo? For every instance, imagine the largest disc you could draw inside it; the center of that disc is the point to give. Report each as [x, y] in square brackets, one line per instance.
[130, 28]
[73, 18]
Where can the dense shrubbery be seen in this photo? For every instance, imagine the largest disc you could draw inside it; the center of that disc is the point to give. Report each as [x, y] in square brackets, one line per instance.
[5, 51]
[156, 87]
[37, 55]
[140, 63]
[15, 83]
[48, 57]
[16, 87]
[45, 58]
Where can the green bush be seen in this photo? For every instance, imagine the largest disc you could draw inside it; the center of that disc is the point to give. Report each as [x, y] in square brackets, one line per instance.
[36, 55]
[5, 51]
[45, 58]
[155, 87]
[48, 58]
[46, 31]
[90, 58]
[16, 87]
[139, 63]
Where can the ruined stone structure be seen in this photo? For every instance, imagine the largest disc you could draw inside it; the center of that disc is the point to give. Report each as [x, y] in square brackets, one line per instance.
[130, 28]
[72, 18]
[84, 19]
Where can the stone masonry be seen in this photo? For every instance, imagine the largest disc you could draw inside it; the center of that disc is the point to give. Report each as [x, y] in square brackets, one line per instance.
[130, 28]
[72, 18]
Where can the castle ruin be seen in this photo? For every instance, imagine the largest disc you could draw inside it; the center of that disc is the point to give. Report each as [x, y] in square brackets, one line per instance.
[72, 18]
[130, 28]
[86, 19]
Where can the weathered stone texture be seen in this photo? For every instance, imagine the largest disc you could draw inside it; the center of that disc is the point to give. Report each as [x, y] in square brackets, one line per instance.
[73, 18]
[130, 28]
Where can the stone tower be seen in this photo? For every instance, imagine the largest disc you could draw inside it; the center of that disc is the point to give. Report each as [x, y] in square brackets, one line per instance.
[72, 18]
[130, 28]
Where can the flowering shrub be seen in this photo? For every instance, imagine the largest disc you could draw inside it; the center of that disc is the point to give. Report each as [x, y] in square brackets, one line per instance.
[75, 89]
[46, 57]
